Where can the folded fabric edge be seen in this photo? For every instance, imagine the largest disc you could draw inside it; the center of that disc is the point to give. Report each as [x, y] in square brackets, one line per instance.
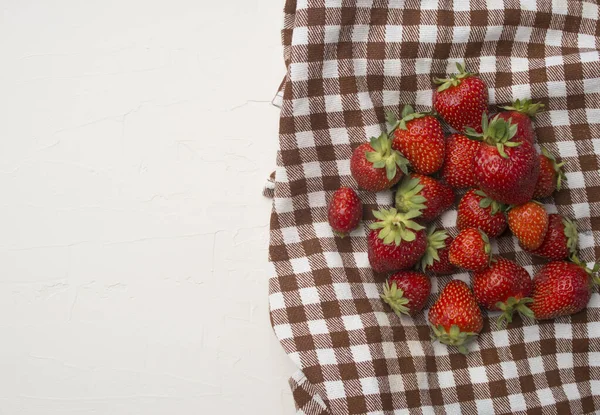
[307, 400]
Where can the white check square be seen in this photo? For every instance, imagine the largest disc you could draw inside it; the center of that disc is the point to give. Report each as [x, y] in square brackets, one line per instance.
[317, 327]
[326, 356]
[352, 322]
[361, 353]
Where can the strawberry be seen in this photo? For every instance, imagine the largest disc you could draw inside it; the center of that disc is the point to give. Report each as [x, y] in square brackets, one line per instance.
[461, 100]
[506, 165]
[458, 170]
[376, 166]
[504, 286]
[476, 210]
[396, 241]
[435, 258]
[521, 113]
[423, 193]
[406, 292]
[455, 317]
[471, 250]
[529, 223]
[562, 288]
[345, 211]
[420, 138]
[551, 175]
[560, 241]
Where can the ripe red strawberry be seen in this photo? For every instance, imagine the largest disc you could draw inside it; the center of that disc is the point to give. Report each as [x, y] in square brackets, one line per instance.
[551, 175]
[376, 166]
[436, 258]
[476, 210]
[455, 317]
[529, 223]
[423, 193]
[461, 100]
[521, 113]
[345, 211]
[562, 288]
[458, 170]
[504, 286]
[506, 165]
[560, 241]
[420, 138]
[471, 250]
[406, 292]
[396, 241]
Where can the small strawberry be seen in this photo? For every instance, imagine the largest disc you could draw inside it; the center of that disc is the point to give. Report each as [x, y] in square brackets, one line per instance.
[529, 223]
[455, 317]
[419, 192]
[521, 113]
[551, 175]
[471, 250]
[461, 100]
[506, 165]
[562, 288]
[420, 138]
[376, 166]
[458, 170]
[406, 292]
[435, 258]
[345, 211]
[504, 286]
[476, 210]
[560, 241]
[396, 241]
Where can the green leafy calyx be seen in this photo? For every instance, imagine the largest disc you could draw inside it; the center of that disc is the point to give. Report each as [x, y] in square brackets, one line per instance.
[384, 156]
[408, 196]
[453, 337]
[394, 297]
[497, 132]
[395, 226]
[408, 114]
[436, 240]
[510, 306]
[560, 174]
[592, 272]
[487, 246]
[525, 106]
[488, 202]
[571, 234]
[453, 80]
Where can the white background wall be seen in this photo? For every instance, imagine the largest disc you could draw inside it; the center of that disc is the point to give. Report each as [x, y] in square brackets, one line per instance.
[135, 137]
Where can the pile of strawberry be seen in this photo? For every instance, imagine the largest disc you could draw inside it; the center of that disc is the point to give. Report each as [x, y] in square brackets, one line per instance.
[494, 157]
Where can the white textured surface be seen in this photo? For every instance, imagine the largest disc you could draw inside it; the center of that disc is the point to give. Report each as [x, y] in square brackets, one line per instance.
[135, 137]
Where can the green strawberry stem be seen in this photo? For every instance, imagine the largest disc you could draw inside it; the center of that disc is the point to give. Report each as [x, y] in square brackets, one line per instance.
[560, 174]
[510, 306]
[436, 240]
[497, 132]
[525, 106]
[408, 114]
[408, 196]
[454, 80]
[394, 297]
[384, 156]
[487, 202]
[396, 226]
[453, 337]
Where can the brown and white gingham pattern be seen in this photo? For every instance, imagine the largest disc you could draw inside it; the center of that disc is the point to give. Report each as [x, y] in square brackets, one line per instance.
[349, 62]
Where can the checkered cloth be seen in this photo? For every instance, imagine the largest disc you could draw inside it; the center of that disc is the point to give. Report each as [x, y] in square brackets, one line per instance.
[348, 63]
